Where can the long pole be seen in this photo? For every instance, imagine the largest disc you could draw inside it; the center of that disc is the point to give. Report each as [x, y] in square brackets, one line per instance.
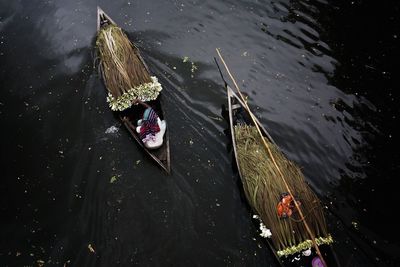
[303, 219]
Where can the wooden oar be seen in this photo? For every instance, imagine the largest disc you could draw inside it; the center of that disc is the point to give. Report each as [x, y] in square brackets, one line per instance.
[303, 219]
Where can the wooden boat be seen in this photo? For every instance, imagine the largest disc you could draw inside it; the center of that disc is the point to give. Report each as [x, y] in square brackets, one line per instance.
[130, 116]
[238, 115]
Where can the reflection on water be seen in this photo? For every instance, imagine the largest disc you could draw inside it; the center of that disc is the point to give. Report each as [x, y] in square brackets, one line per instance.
[321, 83]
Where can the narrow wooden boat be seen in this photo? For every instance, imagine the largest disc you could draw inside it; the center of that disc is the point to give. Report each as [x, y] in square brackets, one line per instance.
[131, 115]
[239, 116]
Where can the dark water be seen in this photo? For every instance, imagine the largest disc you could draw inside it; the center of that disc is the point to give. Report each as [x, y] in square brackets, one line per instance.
[321, 75]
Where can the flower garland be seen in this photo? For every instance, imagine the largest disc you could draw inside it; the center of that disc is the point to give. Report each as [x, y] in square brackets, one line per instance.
[144, 92]
[305, 245]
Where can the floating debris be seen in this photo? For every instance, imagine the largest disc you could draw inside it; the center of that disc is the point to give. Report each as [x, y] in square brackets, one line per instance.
[91, 249]
[111, 130]
[193, 67]
[215, 118]
[113, 179]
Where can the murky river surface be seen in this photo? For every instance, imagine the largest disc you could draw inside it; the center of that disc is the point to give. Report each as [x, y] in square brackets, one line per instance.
[319, 74]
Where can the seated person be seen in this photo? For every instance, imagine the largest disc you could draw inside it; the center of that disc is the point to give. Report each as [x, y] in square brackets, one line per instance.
[151, 128]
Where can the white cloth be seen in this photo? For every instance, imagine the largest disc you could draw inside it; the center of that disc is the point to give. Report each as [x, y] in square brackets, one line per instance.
[157, 141]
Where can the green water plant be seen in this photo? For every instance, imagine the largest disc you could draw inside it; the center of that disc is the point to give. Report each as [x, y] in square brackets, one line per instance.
[125, 75]
[263, 190]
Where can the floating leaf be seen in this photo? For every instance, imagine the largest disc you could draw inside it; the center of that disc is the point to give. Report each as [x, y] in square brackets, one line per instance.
[194, 67]
[91, 249]
[113, 179]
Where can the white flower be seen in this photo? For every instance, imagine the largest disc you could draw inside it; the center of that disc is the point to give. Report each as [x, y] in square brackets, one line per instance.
[307, 252]
[265, 232]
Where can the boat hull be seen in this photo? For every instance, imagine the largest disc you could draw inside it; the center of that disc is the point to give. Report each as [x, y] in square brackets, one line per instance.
[130, 116]
[239, 115]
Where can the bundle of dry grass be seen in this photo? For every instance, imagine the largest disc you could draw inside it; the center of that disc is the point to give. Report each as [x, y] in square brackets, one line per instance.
[125, 76]
[263, 189]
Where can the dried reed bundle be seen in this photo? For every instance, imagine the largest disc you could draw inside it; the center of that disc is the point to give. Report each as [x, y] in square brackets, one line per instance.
[263, 189]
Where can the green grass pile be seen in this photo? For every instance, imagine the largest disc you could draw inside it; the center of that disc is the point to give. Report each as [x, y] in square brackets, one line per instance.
[121, 66]
[263, 187]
